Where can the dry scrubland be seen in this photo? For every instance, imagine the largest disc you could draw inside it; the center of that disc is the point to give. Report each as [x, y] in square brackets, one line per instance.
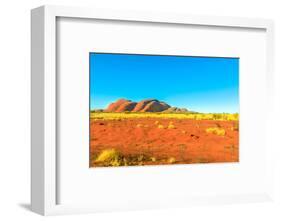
[130, 139]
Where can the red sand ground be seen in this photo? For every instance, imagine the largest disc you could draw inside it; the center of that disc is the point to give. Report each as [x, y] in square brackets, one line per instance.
[187, 143]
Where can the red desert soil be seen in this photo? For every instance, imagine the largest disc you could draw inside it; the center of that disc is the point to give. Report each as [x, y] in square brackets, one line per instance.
[187, 143]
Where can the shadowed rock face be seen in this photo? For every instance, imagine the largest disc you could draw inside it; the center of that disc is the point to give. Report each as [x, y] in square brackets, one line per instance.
[155, 106]
[142, 104]
[115, 105]
[127, 106]
[148, 105]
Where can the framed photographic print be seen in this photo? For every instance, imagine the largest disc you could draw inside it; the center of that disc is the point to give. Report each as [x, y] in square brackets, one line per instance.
[192, 117]
[136, 110]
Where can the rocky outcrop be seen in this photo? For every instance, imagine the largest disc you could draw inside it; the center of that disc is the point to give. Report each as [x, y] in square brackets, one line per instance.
[127, 106]
[148, 105]
[142, 104]
[155, 106]
[115, 105]
[176, 110]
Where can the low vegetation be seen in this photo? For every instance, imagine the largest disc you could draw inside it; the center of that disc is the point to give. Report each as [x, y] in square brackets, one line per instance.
[171, 126]
[192, 116]
[111, 157]
[216, 130]
[139, 125]
[171, 160]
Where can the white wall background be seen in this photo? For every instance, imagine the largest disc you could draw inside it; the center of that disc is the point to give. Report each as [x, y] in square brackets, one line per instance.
[15, 107]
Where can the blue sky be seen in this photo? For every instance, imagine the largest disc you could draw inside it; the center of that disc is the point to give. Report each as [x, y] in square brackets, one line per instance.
[203, 84]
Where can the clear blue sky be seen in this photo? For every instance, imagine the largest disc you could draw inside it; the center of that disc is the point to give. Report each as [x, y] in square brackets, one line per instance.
[203, 84]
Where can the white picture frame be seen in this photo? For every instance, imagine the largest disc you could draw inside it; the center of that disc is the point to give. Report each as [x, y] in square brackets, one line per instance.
[44, 103]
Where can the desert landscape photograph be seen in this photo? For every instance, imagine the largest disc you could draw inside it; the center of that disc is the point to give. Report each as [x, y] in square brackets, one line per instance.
[163, 110]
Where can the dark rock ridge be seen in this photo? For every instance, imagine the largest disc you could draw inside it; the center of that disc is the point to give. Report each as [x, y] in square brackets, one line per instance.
[126, 106]
[155, 106]
[176, 110]
[148, 105]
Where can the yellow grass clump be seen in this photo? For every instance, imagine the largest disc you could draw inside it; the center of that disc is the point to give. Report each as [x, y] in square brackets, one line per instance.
[139, 125]
[161, 126]
[109, 157]
[171, 160]
[171, 126]
[156, 122]
[216, 130]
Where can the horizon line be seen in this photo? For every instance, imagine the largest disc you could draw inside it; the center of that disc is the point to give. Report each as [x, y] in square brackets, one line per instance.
[139, 100]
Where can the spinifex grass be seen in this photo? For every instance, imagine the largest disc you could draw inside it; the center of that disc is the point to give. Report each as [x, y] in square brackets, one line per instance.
[192, 116]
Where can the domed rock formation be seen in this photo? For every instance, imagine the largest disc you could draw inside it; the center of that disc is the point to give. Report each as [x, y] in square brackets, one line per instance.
[141, 105]
[148, 105]
[127, 106]
[115, 105]
[155, 106]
